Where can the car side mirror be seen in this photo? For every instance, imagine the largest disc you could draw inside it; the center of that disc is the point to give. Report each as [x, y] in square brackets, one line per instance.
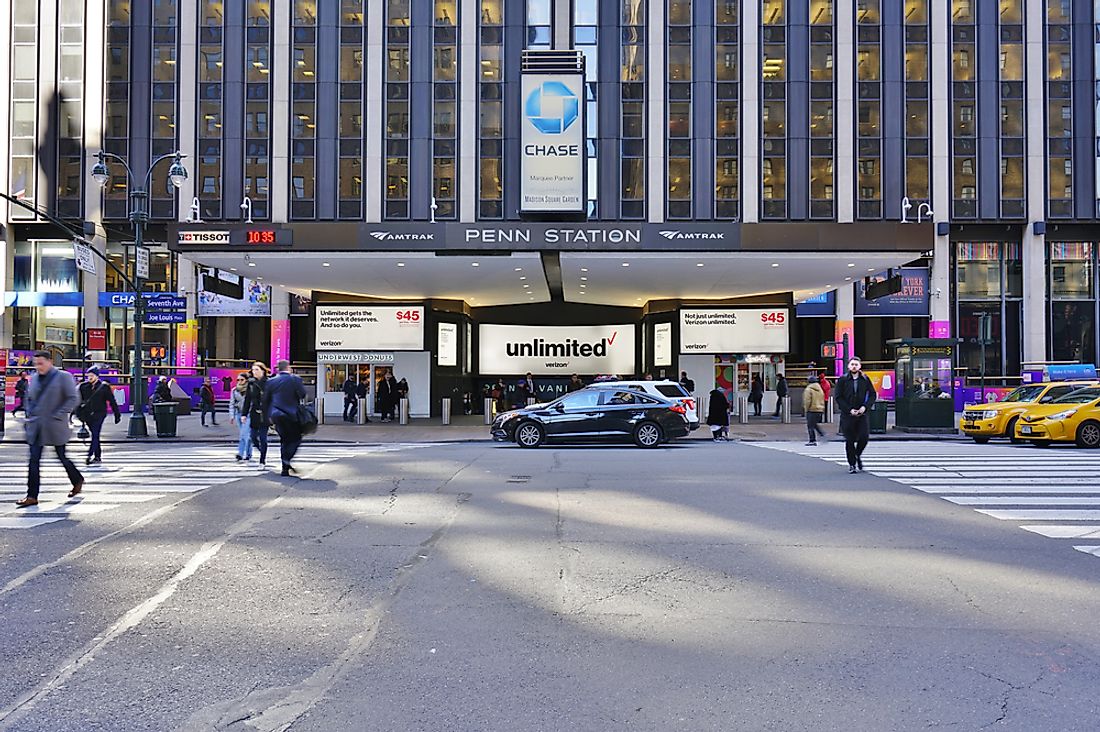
[559, 407]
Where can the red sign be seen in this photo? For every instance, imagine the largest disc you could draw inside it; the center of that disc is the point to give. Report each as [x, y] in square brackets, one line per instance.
[97, 339]
[3, 360]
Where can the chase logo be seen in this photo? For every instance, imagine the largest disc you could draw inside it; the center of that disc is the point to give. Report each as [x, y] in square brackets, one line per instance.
[552, 107]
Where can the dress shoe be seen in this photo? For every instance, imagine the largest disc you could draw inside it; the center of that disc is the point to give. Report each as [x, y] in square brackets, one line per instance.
[25, 502]
[852, 469]
[76, 489]
[859, 464]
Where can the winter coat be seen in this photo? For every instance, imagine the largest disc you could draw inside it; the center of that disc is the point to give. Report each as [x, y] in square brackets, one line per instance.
[852, 394]
[254, 402]
[823, 382]
[718, 411]
[206, 395]
[236, 403]
[756, 391]
[781, 388]
[349, 389]
[95, 399]
[21, 389]
[50, 401]
[813, 398]
[163, 393]
[283, 394]
[386, 393]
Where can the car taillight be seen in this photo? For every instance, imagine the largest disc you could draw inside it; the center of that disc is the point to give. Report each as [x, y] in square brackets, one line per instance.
[678, 409]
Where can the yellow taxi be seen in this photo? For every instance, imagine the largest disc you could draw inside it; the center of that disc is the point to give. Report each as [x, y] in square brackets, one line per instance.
[1072, 418]
[999, 419]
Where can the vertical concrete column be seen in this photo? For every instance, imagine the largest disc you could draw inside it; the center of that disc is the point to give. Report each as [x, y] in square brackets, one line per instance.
[940, 280]
[6, 237]
[279, 189]
[6, 277]
[187, 116]
[187, 285]
[280, 326]
[845, 325]
[469, 63]
[95, 94]
[844, 169]
[1033, 246]
[561, 16]
[750, 112]
[374, 156]
[657, 127]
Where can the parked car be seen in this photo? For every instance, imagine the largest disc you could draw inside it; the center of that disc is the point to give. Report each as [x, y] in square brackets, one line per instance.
[595, 413]
[1072, 418]
[671, 390]
[998, 419]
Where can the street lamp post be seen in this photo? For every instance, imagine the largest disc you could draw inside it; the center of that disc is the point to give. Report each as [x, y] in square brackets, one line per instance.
[139, 216]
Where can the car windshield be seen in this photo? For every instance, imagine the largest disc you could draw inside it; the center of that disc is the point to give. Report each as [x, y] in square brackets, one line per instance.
[1025, 393]
[1079, 397]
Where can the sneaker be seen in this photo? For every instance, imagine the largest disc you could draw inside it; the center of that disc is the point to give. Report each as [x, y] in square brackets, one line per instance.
[852, 469]
[859, 464]
[811, 444]
[239, 458]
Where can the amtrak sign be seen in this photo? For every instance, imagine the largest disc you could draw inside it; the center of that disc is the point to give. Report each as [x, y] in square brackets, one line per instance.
[552, 143]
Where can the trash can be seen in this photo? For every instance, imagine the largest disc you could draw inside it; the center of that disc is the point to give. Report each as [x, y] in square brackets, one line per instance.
[878, 418]
[164, 415]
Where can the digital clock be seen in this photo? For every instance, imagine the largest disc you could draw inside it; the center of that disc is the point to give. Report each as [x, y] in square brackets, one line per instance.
[259, 237]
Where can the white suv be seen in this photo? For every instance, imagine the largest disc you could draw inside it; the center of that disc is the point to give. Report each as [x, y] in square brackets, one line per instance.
[670, 390]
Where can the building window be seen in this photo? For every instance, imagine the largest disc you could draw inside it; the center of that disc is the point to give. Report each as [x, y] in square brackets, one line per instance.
[445, 110]
[396, 130]
[491, 111]
[773, 123]
[822, 95]
[917, 151]
[1071, 268]
[163, 124]
[211, 108]
[349, 174]
[1059, 92]
[869, 110]
[727, 122]
[632, 131]
[964, 133]
[70, 109]
[1011, 89]
[586, 21]
[989, 280]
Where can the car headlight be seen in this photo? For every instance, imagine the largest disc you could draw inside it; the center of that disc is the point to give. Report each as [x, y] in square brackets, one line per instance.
[1062, 415]
[981, 413]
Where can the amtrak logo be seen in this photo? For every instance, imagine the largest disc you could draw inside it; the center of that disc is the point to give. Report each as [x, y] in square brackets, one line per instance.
[693, 234]
[552, 107]
[391, 236]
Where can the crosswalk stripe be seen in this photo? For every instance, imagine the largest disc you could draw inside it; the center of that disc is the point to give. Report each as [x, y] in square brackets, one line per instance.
[1001, 482]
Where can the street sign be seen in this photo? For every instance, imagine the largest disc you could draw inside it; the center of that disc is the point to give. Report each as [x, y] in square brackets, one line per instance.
[97, 339]
[85, 259]
[141, 259]
[154, 317]
[166, 302]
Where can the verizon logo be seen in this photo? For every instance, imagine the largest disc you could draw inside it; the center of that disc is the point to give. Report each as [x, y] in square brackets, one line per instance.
[693, 234]
[391, 236]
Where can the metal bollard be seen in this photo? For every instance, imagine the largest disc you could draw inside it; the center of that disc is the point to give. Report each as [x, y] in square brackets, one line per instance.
[532, 401]
[360, 411]
[829, 411]
[403, 411]
[785, 410]
[446, 410]
[490, 407]
[319, 409]
[743, 410]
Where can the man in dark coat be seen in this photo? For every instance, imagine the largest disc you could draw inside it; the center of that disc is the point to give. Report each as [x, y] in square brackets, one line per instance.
[687, 383]
[206, 404]
[282, 396]
[781, 392]
[855, 394]
[756, 395]
[51, 398]
[96, 397]
[575, 384]
[387, 397]
[361, 391]
[21, 395]
[718, 415]
[351, 406]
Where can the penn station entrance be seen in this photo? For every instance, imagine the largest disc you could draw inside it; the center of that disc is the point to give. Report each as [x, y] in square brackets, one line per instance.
[464, 311]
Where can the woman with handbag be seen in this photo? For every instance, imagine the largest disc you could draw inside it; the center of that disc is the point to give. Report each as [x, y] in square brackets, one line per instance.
[96, 396]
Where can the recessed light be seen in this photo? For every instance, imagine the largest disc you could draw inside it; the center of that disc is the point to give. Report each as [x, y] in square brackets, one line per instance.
[325, 264]
[870, 269]
[400, 264]
[699, 264]
[251, 264]
[526, 286]
[584, 279]
[259, 278]
[847, 279]
[474, 264]
[521, 279]
[232, 269]
[775, 264]
[851, 264]
[584, 269]
[519, 269]
[626, 264]
[583, 285]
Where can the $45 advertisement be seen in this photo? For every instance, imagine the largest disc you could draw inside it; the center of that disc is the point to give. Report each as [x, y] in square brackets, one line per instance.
[369, 327]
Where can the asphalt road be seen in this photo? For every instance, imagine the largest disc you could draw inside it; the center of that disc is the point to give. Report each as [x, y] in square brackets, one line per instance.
[484, 587]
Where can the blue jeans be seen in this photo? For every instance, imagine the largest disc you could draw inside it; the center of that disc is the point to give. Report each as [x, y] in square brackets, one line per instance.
[259, 439]
[244, 438]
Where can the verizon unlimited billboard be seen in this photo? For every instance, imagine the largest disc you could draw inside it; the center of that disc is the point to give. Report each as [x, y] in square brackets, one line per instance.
[517, 349]
[735, 330]
[369, 328]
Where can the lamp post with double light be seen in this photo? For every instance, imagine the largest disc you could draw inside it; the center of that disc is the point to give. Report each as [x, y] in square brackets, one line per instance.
[138, 216]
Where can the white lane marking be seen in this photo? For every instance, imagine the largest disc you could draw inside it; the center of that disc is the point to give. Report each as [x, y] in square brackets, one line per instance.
[1042, 515]
[28, 522]
[1065, 532]
[54, 508]
[1093, 550]
[133, 617]
[1005, 490]
[1022, 500]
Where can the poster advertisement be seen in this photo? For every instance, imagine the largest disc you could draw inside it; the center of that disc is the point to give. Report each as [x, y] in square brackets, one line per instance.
[662, 344]
[256, 301]
[735, 330]
[280, 341]
[552, 143]
[584, 349]
[369, 328]
[818, 306]
[447, 344]
[912, 301]
[187, 344]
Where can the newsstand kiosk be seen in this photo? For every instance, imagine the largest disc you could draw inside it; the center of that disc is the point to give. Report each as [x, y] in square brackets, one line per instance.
[924, 399]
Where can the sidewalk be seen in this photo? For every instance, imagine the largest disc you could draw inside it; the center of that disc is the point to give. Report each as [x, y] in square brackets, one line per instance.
[463, 428]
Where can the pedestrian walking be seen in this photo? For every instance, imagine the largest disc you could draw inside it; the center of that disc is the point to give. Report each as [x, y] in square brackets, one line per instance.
[206, 403]
[718, 415]
[575, 384]
[239, 417]
[253, 409]
[687, 383]
[96, 397]
[387, 397]
[813, 404]
[361, 391]
[51, 398]
[351, 406]
[756, 395]
[21, 395]
[855, 394]
[282, 397]
[781, 392]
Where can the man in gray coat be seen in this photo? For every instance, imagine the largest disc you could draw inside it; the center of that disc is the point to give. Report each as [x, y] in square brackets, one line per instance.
[51, 398]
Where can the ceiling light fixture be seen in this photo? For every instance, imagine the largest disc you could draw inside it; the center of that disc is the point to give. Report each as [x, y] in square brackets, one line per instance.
[400, 264]
[474, 264]
[251, 264]
[584, 269]
[851, 264]
[626, 264]
[521, 279]
[699, 264]
[519, 269]
[775, 264]
[325, 264]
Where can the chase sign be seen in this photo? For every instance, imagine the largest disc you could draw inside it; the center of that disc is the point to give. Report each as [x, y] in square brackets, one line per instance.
[552, 107]
[552, 143]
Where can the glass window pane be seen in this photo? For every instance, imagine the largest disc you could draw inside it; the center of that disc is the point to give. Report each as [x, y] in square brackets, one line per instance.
[1073, 331]
[679, 179]
[633, 188]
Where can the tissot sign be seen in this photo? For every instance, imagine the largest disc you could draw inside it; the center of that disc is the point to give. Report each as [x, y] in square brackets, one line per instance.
[552, 143]
[735, 330]
[517, 349]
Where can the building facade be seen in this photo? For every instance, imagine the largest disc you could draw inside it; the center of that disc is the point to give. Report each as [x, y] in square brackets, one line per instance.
[962, 132]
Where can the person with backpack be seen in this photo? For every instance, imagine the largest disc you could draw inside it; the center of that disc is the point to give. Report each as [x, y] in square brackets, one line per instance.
[206, 403]
[813, 404]
[96, 397]
[687, 383]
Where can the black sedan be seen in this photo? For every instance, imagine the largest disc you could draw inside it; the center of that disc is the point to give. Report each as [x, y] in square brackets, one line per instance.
[594, 414]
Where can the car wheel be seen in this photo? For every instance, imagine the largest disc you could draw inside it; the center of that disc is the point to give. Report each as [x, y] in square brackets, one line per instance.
[1010, 431]
[981, 440]
[648, 434]
[1088, 435]
[1041, 443]
[530, 434]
